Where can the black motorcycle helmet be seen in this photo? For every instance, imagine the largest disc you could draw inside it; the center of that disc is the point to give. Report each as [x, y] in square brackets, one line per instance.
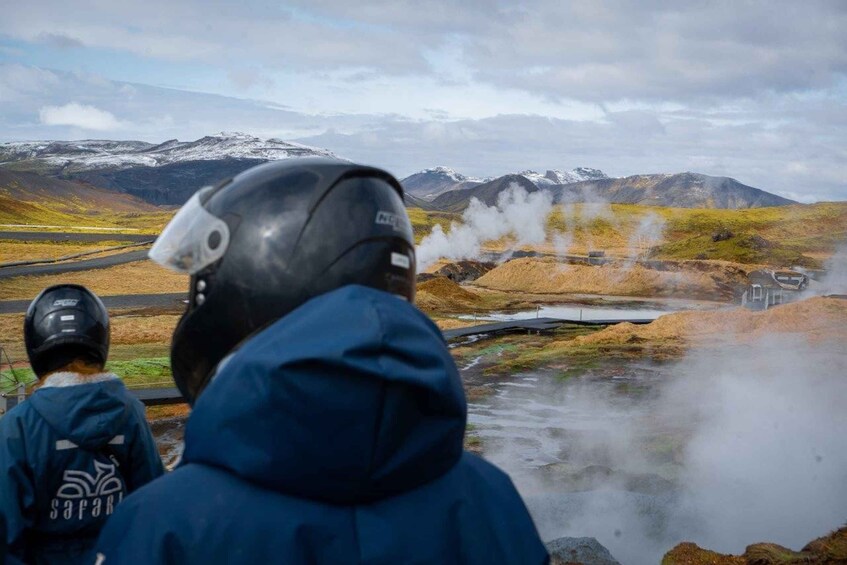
[259, 245]
[65, 322]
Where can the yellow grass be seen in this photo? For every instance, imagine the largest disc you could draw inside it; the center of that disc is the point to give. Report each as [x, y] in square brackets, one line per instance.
[135, 329]
[423, 221]
[443, 294]
[37, 251]
[814, 318]
[126, 330]
[799, 234]
[452, 323]
[32, 250]
[143, 277]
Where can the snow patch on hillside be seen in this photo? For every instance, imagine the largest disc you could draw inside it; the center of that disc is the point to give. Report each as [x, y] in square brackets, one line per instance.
[103, 154]
[555, 176]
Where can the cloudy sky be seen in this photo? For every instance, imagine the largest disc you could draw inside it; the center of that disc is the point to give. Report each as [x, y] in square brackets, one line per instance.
[752, 90]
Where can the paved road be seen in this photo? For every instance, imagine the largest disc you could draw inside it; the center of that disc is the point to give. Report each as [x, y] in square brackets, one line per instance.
[72, 236]
[112, 302]
[57, 268]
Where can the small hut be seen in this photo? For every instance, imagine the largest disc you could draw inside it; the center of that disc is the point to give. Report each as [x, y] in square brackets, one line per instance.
[768, 288]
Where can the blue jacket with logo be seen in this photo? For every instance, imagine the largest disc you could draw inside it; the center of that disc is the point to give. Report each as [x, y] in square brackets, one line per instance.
[332, 436]
[68, 456]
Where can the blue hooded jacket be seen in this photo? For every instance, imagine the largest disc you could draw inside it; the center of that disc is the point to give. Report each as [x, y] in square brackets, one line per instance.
[332, 436]
[68, 456]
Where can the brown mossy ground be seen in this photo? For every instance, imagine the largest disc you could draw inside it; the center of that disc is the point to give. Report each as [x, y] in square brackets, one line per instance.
[440, 296]
[816, 319]
[827, 550]
[710, 280]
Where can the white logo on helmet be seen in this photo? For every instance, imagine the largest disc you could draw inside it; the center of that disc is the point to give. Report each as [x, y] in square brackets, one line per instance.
[396, 221]
[66, 302]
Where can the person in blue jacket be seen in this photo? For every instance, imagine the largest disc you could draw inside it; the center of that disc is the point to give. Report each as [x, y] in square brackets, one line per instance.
[328, 415]
[79, 445]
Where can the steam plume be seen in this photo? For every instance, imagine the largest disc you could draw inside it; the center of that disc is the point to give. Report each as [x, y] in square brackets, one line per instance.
[517, 214]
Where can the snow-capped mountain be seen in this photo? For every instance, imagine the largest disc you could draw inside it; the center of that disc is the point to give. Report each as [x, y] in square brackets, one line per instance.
[555, 176]
[682, 190]
[164, 173]
[88, 155]
[429, 183]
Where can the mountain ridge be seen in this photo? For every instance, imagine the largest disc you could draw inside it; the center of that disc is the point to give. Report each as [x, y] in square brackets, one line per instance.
[94, 154]
[680, 190]
[430, 183]
[170, 171]
[164, 173]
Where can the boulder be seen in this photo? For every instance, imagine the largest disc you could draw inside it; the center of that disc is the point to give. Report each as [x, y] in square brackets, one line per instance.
[465, 271]
[584, 551]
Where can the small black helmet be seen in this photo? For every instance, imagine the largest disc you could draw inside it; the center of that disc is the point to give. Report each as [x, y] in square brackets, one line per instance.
[261, 244]
[63, 323]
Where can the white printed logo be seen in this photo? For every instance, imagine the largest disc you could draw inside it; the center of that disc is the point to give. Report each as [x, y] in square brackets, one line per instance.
[65, 302]
[79, 484]
[390, 219]
[400, 260]
[83, 495]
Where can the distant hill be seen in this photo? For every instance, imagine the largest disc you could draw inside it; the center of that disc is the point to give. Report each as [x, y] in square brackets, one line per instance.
[430, 183]
[28, 198]
[170, 172]
[458, 200]
[164, 173]
[553, 177]
[413, 201]
[683, 190]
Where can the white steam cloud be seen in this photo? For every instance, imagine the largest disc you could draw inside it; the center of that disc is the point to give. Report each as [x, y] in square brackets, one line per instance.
[518, 214]
[768, 457]
[758, 444]
[835, 279]
[649, 232]
[523, 217]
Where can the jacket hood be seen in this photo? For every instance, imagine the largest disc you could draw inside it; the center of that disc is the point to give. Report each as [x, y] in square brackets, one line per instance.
[89, 413]
[350, 398]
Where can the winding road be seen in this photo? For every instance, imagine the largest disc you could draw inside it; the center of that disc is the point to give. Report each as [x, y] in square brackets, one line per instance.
[175, 300]
[85, 265]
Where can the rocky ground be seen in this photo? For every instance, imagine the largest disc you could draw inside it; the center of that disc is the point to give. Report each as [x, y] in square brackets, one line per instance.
[827, 550]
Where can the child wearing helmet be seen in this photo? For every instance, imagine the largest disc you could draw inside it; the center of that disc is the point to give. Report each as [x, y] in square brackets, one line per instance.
[79, 445]
[328, 416]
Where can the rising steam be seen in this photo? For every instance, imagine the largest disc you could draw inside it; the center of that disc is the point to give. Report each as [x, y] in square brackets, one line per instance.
[522, 217]
[758, 433]
[517, 214]
[835, 279]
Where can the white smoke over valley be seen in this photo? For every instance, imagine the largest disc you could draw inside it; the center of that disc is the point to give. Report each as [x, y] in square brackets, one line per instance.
[728, 447]
[522, 218]
[834, 280]
[649, 232]
[518, 214]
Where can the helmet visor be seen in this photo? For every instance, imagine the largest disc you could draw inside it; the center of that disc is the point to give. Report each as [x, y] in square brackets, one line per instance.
[193, 240]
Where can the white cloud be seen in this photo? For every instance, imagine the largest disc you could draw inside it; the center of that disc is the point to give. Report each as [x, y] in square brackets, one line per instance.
[755, 142]
[587, 50]
[78, 115]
